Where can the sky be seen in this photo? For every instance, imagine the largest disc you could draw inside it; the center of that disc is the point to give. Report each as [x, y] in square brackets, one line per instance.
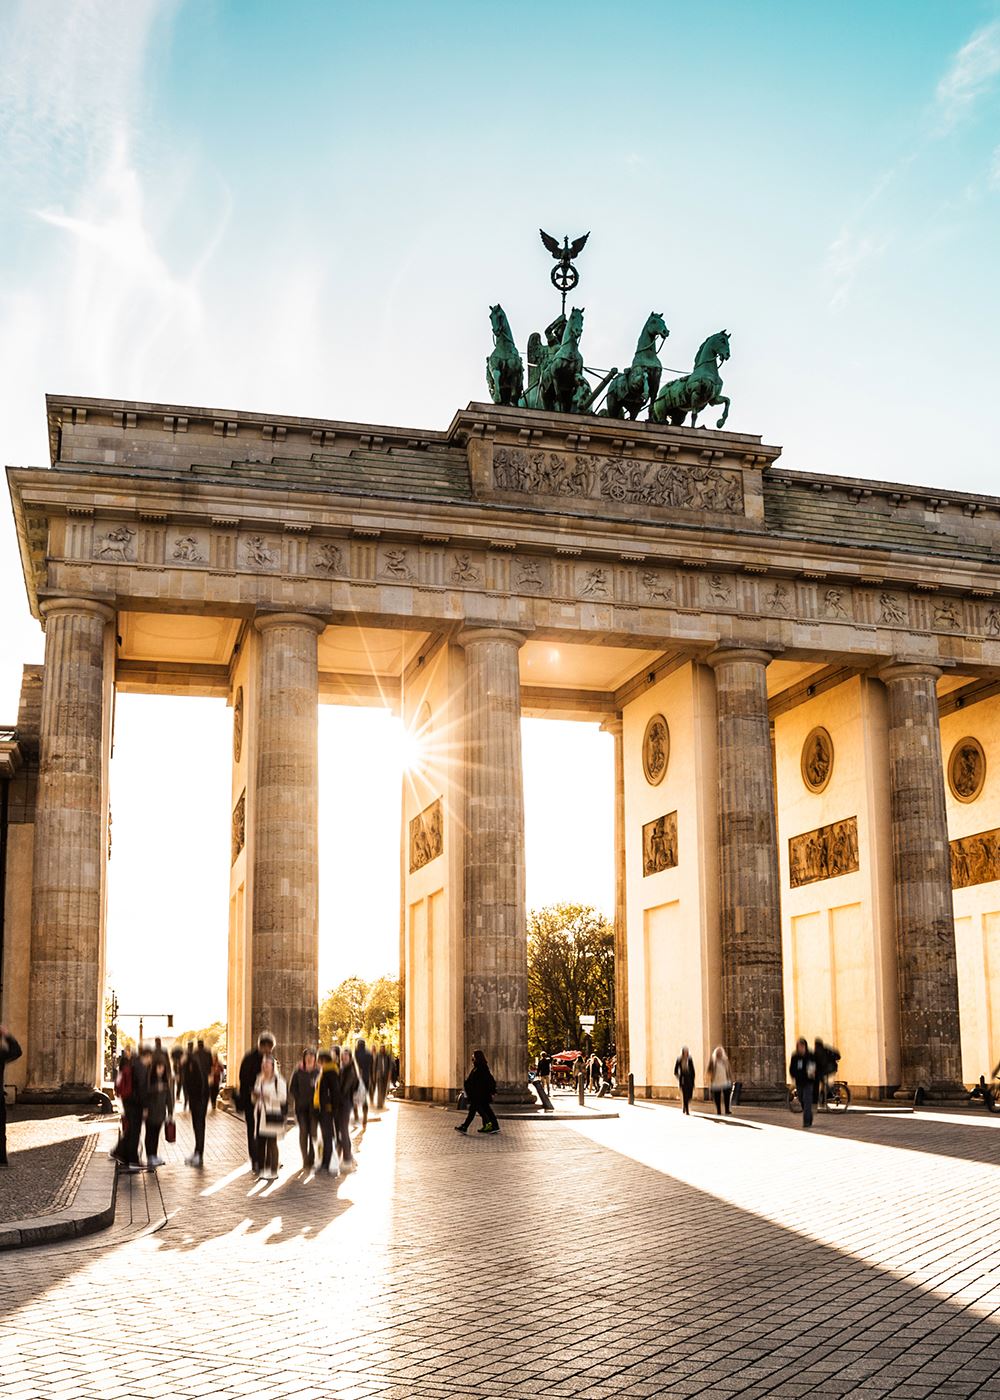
[309, 208]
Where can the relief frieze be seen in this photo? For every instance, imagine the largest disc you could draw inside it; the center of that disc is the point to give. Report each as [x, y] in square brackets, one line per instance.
[975, 860]
[626, 480]
[659, 844]
[117, 544]
[823, 854]
[426, 836]
[239, 832]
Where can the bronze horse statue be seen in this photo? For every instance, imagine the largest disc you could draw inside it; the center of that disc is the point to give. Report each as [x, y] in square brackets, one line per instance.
[697, 390]
[639, 384]
[504, 368]
[559, 381]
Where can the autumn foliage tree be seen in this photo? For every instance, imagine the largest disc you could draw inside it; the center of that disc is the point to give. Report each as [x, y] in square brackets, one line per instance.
[357, 1007]
[571, 971]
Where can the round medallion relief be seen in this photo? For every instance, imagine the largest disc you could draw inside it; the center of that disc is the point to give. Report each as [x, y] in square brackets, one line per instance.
[238, 724]
[817, 759]
[655, 750]
[967, 769]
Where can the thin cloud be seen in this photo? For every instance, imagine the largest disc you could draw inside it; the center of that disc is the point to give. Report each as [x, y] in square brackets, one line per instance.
[971, 74]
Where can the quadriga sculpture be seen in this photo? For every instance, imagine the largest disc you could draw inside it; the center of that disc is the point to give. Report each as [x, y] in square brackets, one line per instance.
[562, 369]
[697, 390]
[638, 385]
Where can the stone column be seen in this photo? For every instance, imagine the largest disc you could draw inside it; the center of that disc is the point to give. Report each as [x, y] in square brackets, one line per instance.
[749, 900]
[496, 948]
[284, 942]
[930, 1049]
[66, 1009]
[614, 727]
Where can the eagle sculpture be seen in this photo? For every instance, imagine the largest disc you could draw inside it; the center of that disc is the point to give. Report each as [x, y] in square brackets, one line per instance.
[567, 251]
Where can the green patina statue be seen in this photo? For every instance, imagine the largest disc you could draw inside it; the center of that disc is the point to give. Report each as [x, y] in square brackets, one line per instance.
[697, 390]
[538, 351]
[561, 383]
[638, 385]
[504, 368]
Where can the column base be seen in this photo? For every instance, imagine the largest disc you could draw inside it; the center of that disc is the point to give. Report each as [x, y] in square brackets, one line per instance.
[760, 1094]
[948, 1092]
[65, 1093]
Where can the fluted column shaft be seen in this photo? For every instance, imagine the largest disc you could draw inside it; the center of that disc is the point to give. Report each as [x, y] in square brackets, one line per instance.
[614, 727]
[930, 1047]
[284, 945]
[66, 995]
[496, 950]
[749, 906]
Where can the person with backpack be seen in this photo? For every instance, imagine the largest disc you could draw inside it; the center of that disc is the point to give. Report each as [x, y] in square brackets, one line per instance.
[802, 1069]
[301, 1092]
[684, 1074]
[326, 1098]
[10, 1051]
[270, 1100]
[480, 1086]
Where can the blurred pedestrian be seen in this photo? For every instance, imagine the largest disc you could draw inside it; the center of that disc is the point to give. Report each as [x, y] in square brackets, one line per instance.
[684, 1073]
[350, 1086]
[195, 1082]
[383, 1066]
[159, 1107]
[249, 1072]
[720, 1079]
[364, 1065]
[543, 1069]
[160, 1056]
[480, 1086]
[802, 1068]
[10, 1051]
[176, 1060]
[301, 1093]
[327, 1102]
[214, 1080]
[270, 1099]
[130, 1088]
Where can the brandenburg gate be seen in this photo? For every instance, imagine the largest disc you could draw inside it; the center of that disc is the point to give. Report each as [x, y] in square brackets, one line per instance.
[800, 676]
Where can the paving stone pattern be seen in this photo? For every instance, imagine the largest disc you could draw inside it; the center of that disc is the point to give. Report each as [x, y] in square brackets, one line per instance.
[651, 1255]
[48, 1154]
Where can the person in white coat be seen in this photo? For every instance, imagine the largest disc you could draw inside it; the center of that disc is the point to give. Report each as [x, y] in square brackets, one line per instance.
[270, 1098]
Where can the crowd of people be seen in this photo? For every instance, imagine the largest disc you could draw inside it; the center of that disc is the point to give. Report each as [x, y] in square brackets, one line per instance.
[327, 1090]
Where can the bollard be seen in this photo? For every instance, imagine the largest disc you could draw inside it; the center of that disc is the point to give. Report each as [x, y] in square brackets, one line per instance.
[579, 1090]
[631, 1088]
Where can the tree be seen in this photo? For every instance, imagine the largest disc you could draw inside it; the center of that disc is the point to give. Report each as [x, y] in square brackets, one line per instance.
[214, 1037]
[382, 1010]
[571, 971]
[342, 1012]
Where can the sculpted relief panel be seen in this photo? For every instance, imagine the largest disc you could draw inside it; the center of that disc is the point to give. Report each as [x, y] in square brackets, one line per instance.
[659, 844]
[622, 479]
[426, 836]
[824, 853]
[975, 860]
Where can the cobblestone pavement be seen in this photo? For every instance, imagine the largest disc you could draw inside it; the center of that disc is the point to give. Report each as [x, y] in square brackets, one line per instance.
[48, 1151]
[647, 1256]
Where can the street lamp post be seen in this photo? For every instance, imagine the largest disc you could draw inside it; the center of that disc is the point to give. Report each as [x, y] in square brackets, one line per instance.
[168, 1016]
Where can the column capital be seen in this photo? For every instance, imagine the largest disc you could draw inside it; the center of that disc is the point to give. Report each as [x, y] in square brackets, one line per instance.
[92, 607]
[902, 668]
[489, 633]
[265, 621]
[725, 655]
[612, 726]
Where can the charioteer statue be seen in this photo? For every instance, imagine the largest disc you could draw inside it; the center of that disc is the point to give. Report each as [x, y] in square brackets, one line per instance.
[557, 377]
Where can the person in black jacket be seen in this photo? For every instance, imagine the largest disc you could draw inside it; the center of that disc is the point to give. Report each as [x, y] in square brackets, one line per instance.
[249, 1071]
[195, 1083]
[301, 1091]
[479, 1090]
[9, 1051]
[328, 1094]
[802, 1068]
[130, 1086]
[684, 1073]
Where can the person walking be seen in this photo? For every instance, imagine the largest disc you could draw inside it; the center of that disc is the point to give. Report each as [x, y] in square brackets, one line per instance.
[383, 1065]
[176, 1060]
[270, 1099]
[365, 1067]
[480, 1086]
[159, 1107]
[195, 1083]
[301, 1092]
[130, 1087]
[544, 1071]
[10, 1051]
[802, 1068]
[720, 1078]
[684, 1073]
[249, 1074]
[350, 1085]
[215, 1080]
[327, 1102]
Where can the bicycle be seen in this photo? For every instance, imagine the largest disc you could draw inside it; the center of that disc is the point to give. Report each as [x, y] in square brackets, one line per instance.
[988, 1094]
[833, 1097]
